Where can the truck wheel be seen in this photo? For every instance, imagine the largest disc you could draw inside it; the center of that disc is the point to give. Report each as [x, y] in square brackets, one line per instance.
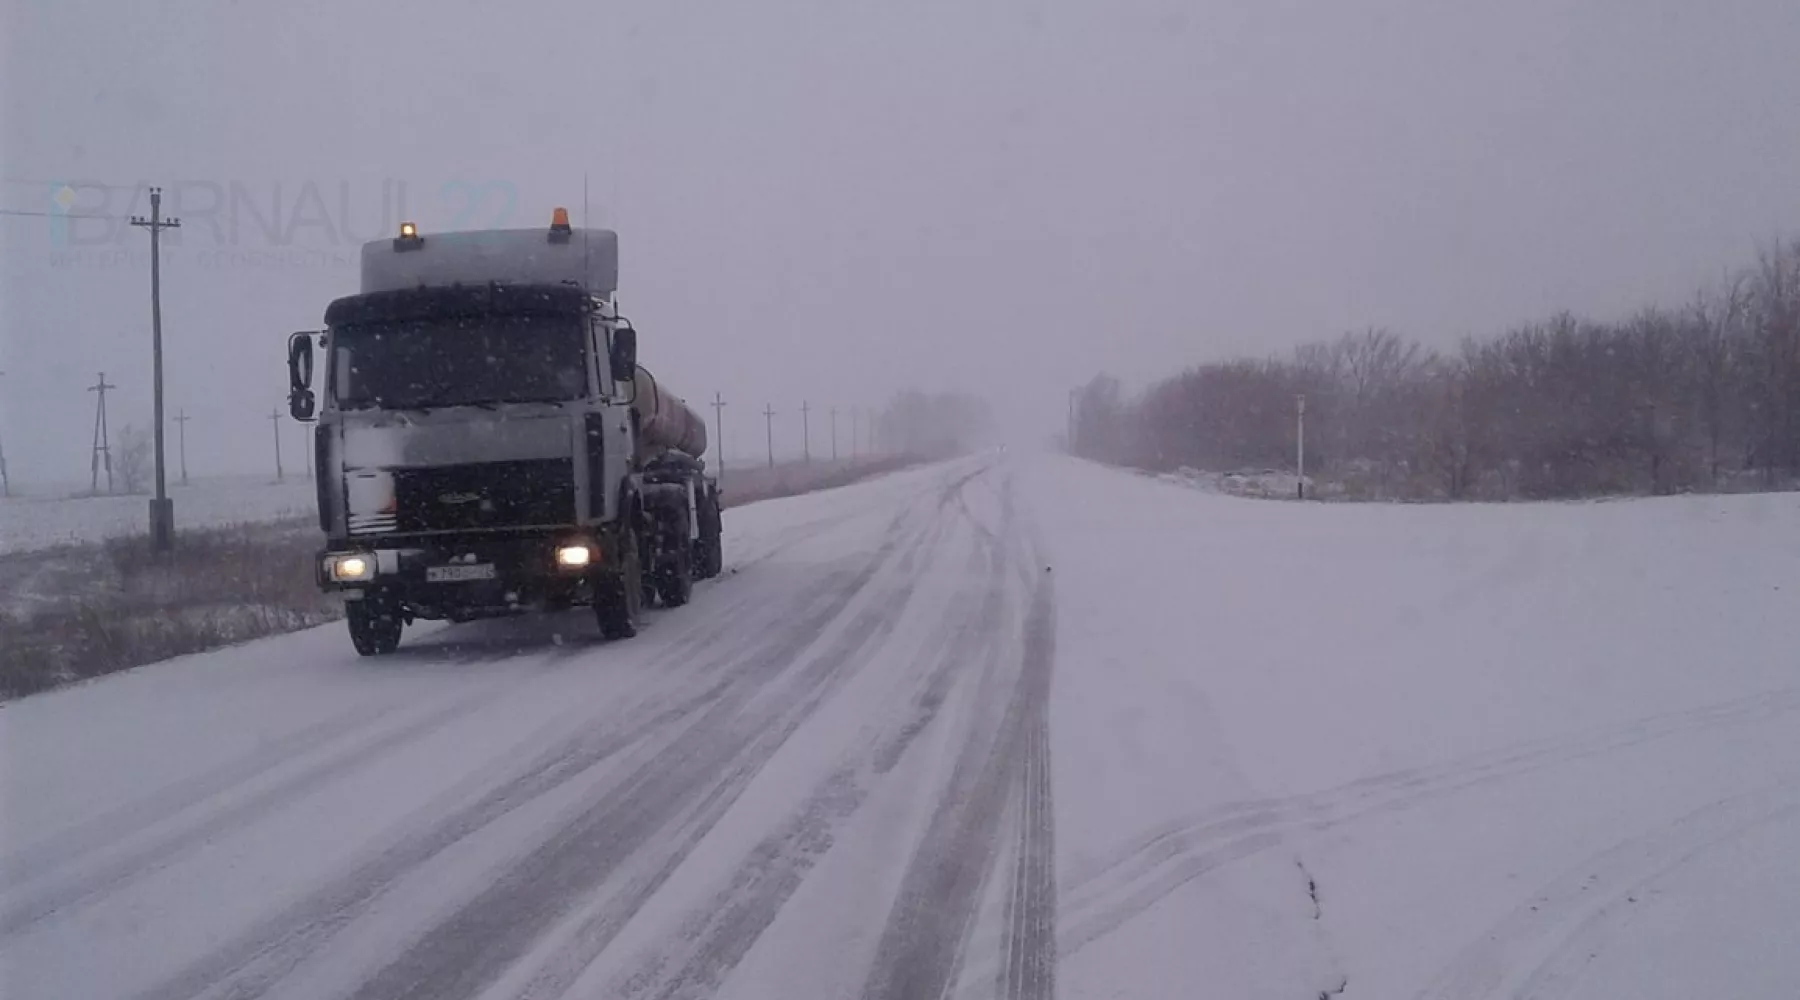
[651, 580]
[709, 549]
[374, 628]
[675, 583]
[619, 594]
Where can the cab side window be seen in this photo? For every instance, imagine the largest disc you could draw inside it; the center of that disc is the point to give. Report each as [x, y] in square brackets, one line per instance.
[597, 357]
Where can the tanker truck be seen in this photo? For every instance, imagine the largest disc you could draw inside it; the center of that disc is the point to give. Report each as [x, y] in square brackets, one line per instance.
[488, 444]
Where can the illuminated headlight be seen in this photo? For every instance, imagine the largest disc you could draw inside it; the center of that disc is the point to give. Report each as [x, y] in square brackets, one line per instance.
[350, 568]
[573, 556]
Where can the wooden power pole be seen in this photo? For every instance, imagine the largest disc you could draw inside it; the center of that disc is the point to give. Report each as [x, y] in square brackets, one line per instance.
[275, 421]
[5, 481]
[162, 509]
[181, 437]
[718, 405]
[769, 426]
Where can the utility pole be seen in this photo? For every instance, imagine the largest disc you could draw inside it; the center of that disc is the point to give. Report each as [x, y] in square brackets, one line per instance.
[805, 433]
[5, 481]
[181, 425]
[102, 438]
[1070, 432]
[1300, 445]
[834, 434]
[855, 431]
[769, 420]
[162, 509]
[718, 405]
[306, 448]
[275, 420]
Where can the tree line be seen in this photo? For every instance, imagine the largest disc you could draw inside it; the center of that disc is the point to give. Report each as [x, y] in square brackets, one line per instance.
[1702, 397]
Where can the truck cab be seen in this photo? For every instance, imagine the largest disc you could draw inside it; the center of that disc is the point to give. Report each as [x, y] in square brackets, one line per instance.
[487, 443]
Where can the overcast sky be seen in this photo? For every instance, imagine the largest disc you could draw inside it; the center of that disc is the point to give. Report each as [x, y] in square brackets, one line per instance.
[828, 201]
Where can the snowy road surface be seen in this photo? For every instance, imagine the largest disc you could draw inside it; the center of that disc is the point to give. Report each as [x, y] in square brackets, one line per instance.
[1014, 727]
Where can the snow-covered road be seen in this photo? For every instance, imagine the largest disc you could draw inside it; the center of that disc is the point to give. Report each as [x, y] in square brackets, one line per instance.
[1005, 726]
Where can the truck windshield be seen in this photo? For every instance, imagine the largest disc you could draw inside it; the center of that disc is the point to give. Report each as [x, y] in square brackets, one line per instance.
[458, 361]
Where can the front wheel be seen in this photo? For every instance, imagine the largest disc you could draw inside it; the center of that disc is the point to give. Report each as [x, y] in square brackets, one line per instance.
[619, 592]
[374, 628]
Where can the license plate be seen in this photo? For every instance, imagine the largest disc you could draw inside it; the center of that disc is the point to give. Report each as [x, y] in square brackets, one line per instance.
[454, 574]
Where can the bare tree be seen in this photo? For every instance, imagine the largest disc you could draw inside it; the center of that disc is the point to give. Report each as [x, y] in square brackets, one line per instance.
[1714, 329]
[131, 459]
[1562, 408]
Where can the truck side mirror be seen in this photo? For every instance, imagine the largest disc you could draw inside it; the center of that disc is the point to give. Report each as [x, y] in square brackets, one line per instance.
[624, 354]
[300, 361]
[301, 403]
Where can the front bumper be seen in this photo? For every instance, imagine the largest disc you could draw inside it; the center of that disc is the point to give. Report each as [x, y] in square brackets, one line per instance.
[490, 574]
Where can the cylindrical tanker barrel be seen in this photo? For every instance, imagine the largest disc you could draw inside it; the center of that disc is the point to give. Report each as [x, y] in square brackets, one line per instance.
[664, 420]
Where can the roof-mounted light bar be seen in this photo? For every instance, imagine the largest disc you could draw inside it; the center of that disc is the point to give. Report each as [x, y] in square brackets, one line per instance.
[409, 238]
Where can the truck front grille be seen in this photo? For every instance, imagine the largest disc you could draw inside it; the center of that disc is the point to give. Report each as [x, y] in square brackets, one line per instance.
[485, 495]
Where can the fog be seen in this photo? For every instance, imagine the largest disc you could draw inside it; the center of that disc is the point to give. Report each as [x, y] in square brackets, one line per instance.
[832, 202]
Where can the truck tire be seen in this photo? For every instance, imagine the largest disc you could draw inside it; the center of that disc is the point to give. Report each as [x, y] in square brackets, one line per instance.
[709, 549]
[675, 581]
[619, 593]
[374, 627]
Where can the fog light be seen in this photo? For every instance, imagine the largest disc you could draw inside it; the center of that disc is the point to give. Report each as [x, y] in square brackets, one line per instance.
[349, 569]
[573, 556]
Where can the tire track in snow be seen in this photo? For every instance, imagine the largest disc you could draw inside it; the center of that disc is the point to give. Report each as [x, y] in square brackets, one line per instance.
[922, 947]
[662, 807]
[74, 843]
[1103, 900]
[1566, 913]
[78, 844]
[95, 881]
[256, 960]
[73, 846]
[1028, 947]
[714, 939]
[805, 531]
[774, 872]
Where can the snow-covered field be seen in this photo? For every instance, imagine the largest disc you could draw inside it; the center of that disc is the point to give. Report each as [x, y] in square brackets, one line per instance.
[59, 517]
[1006, 726]
[1517, 750]
[35, 522]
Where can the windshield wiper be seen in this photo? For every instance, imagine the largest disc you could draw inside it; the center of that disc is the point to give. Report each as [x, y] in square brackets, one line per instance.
[430, 405]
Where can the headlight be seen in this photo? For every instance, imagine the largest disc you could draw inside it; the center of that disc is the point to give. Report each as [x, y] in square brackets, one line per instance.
[350, 568]
[573, 556]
